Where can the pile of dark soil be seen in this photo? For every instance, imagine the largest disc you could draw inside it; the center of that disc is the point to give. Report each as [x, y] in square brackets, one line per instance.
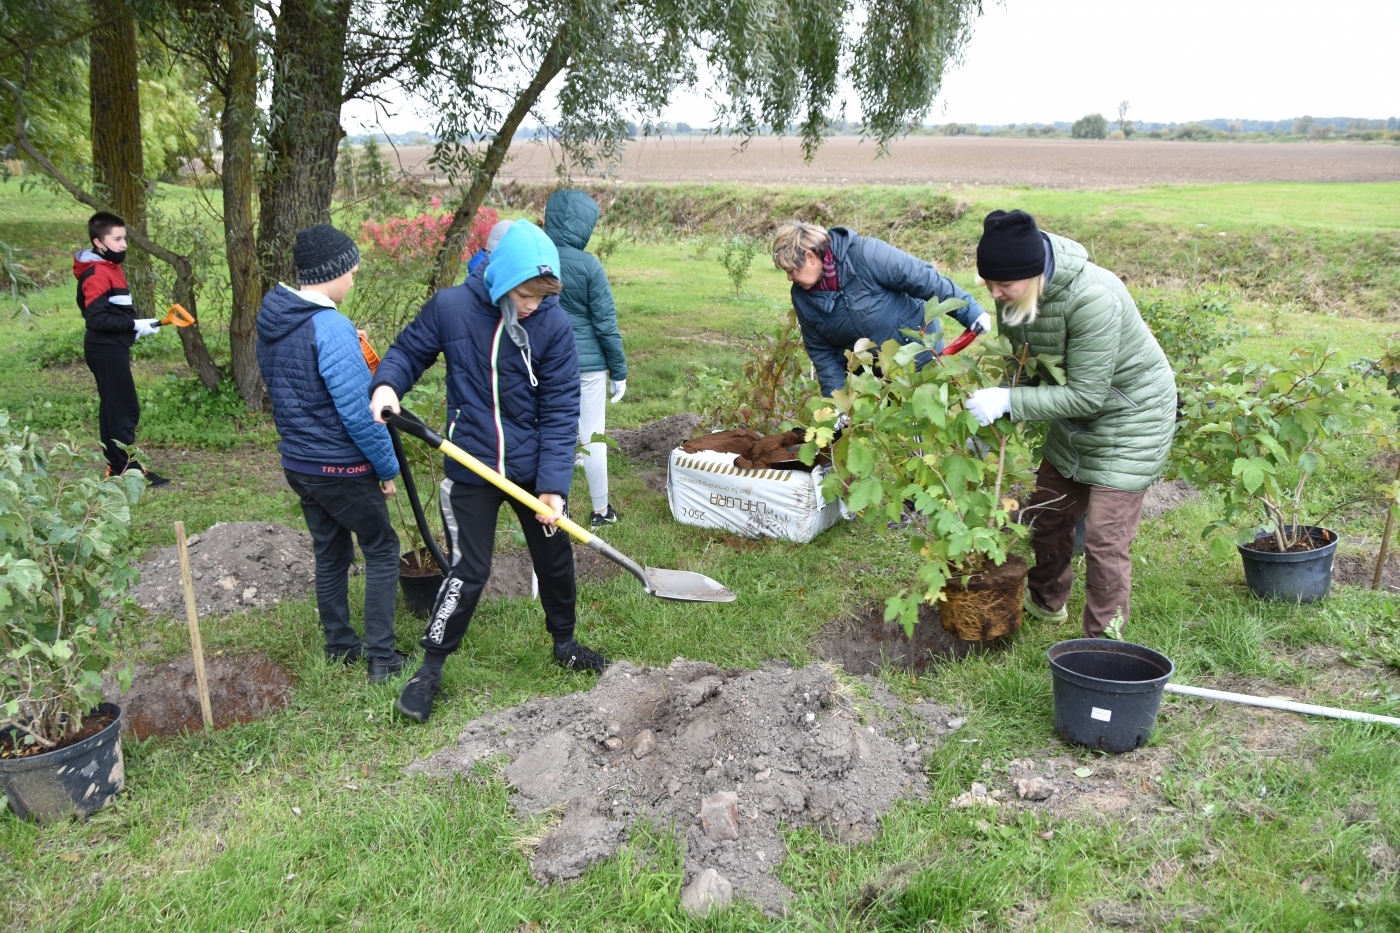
[653, 443]
[1360, 569]
[164, 699]
[752, 750]
[236, 566]
[93, 723]
[1267, 544]
[864, 643]
[755, 451]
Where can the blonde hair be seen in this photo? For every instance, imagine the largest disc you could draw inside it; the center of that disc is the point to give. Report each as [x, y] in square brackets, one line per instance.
[539, 287]
[794, 240]
[1024, 309]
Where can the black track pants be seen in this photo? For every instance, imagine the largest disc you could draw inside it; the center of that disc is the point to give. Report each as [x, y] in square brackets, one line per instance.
[118, 409]
[470, 516]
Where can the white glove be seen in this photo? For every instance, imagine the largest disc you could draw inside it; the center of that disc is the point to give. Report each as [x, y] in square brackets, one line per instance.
[618, 387]
[983, 325]
[145, 326]
[987, 405]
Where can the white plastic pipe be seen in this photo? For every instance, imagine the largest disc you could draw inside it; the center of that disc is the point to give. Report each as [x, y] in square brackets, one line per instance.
[1280, 703]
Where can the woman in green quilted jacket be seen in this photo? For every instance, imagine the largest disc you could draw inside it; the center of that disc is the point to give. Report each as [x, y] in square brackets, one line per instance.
[1112, 417]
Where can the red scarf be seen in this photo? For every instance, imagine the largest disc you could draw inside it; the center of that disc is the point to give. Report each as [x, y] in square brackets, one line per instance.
[828, 282]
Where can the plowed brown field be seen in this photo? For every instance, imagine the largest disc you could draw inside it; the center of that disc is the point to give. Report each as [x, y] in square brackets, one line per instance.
[963, 160]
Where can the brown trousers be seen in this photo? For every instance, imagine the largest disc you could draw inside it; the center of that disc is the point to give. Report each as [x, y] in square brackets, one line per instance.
[1111, 522]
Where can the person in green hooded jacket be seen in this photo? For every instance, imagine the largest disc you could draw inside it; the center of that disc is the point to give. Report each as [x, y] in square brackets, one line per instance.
[569, 218]
[1112, 419]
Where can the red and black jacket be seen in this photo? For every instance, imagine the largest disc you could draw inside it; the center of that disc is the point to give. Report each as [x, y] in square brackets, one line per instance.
[104, 300]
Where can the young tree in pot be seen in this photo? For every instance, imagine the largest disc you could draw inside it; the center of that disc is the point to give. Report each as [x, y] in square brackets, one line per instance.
[910, 450]
[1257, 436]
[61, 526]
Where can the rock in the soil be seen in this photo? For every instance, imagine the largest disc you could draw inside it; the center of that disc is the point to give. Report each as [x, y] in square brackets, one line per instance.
[976, 796]
[573, 845]
[645, 745]
[1034, 788]
[236, 566]
[709, 891]
[719, 816]
[714, 731]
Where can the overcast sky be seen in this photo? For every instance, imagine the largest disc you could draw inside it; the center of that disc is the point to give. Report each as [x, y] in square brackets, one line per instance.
[1173, 60]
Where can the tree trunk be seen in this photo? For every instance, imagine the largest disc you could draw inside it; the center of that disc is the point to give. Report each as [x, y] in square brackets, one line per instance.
[449, 257]
[236, 126]
[299, 176]
[117, 167]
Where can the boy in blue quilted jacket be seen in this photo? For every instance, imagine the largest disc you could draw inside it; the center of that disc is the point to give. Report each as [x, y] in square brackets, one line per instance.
[335, 457]
[512, 402]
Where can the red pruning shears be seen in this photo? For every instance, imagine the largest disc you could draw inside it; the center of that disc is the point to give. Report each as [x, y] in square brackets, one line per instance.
[961, 344]
[178, 316]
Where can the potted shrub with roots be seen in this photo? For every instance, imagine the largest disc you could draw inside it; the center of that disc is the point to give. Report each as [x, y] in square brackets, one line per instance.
[62, 524]
[908, 451]
[1257, 434]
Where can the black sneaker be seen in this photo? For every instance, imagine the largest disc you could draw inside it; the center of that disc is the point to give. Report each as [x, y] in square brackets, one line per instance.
[386, 670]
[154, 479]
[345, 658]
[610, 517]
[416, 699]
[578, 657]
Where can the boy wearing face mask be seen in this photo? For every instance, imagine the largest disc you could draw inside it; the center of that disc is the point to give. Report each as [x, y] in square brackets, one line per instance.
[112, 327]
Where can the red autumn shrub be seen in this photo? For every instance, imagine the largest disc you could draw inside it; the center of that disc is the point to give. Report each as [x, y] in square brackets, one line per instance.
[416, 239]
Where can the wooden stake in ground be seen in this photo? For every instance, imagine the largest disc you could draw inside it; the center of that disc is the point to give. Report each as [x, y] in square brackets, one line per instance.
[1385, 539]
[187, 581]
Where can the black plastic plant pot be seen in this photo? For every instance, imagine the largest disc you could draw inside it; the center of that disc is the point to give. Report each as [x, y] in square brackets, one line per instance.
[77, 780]
[419, 593]
[1107, 692]
[1294, 576]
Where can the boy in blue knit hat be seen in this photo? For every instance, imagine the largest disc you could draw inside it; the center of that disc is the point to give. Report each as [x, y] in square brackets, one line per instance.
[335, 457]
[512, 402]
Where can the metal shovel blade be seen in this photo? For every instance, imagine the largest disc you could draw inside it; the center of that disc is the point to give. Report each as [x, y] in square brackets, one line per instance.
[686, 586]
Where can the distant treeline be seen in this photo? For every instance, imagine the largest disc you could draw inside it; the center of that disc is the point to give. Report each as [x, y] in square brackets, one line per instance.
[1094, 126]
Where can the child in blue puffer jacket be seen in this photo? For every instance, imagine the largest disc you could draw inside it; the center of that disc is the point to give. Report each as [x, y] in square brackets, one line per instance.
[512, 402]
[336, 459]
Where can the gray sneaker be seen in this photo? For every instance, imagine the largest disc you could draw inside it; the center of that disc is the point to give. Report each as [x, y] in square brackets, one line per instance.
[1044, 615]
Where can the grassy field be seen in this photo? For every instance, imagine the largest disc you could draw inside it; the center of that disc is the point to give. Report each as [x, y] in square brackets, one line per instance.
[1245, 820]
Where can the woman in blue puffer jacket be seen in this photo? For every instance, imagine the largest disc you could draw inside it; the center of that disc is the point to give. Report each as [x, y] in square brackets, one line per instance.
[512, 402]
[846, 286]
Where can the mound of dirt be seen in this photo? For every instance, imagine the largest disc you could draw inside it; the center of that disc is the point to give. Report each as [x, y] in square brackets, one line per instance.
[510, 571]
[755, 451]
[1164, 495]
[236, 566]
[864, 643]
[654, 442]
[164, 699]
[1360, 569]
[725, 756]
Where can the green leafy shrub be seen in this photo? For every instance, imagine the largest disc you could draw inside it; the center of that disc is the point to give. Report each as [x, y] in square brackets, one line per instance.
[1259, 433]
[179, 410]
[1090, 126]
[1192, 328]
[771, 395]
[910, 439]
[62, 524]
[736, 255]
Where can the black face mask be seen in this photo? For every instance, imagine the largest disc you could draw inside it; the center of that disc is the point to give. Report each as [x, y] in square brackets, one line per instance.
[112, 255]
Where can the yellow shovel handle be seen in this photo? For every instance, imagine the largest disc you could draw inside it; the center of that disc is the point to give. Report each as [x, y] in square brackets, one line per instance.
[582, 535]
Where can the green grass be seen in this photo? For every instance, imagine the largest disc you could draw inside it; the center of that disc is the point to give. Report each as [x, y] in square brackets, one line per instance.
[205, 837]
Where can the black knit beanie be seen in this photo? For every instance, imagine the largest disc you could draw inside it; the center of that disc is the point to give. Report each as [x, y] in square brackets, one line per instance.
[1011, 247]
[323, 253]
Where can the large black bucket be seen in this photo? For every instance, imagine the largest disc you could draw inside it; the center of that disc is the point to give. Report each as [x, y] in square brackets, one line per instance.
[1107, 692]
[77, 780]
[1298, 576]
[419, 593]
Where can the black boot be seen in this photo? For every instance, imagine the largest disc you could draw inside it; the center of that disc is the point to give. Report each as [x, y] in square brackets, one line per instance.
[386, 670]
[577, 657]
[416, 699]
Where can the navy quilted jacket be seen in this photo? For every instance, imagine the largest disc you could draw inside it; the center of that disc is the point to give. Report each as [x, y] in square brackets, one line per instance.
[318, 381]
[523, 428]
[883, 291]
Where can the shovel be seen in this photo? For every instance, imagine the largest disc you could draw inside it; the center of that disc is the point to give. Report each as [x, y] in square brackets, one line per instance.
[178, 316]
[667, 584]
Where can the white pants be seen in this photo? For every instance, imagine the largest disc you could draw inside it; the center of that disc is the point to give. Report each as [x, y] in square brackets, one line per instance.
[592, 415]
